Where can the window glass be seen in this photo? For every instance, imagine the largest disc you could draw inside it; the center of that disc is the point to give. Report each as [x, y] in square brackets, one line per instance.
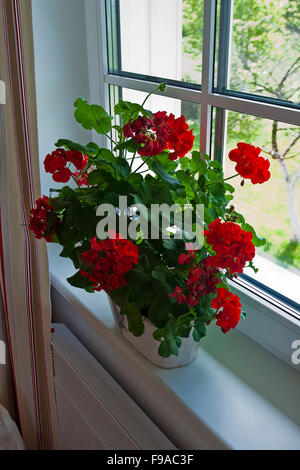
[155, 103]
[265, 49]
[257, 52]
[161, 38]
[272, 208]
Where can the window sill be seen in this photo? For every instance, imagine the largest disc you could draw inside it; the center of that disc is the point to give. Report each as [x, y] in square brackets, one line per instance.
[234, 395]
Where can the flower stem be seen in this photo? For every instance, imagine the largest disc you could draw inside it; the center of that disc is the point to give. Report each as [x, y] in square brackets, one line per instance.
[132, 160]
[151, 93]
[87, 166]
[141, 165]
[222, 181]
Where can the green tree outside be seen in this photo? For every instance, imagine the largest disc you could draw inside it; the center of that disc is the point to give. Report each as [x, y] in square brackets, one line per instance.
[265, 60]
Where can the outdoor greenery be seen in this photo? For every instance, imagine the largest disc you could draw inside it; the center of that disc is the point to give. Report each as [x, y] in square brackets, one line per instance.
[265, 61]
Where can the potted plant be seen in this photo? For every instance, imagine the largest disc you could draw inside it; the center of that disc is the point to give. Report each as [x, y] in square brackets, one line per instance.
[121, 226]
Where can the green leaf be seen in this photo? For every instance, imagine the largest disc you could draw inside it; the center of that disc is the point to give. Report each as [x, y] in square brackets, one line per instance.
[160, 308]
[107, 155]
[90, 149]
[129, 145]
[164, 349]
[134, 317]
[196, 335]
[229, 188]
[173, 244]
[198, 163]
[165, 277]
[256, 240]
[171, 329]
[92, 116]
[154, 191]
[162, 158]
[173, 345]
[80, 281]
[128, 110]
[136, 180]
[199, 329]
[161, 172]
[215, 164]
[184, 329]
[122, 167]
[158, 334]
[99, 177]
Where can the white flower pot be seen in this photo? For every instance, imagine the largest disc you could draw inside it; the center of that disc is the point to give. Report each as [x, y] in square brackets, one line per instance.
[148, 346]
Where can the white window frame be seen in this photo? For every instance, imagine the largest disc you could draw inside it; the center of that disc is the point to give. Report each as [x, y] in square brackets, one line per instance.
[270, 325]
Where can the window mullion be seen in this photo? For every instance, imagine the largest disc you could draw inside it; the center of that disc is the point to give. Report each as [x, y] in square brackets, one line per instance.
[225, 23]
[207, 73]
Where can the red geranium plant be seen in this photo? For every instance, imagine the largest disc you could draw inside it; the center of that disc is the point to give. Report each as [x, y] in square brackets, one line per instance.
[178, 287]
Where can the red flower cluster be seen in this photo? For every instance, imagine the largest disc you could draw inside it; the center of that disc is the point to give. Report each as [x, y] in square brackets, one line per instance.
[56, 162]
[108, 261]
[202, 279]
[181, 139]
[249, 164]
[39, 218]
[159, 133]
[232, 245]
[230, 314]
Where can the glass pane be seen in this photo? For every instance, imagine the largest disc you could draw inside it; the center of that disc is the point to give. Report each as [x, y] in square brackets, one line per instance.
[155, 103]
[265, 52]
[272, 208]
[161, 38]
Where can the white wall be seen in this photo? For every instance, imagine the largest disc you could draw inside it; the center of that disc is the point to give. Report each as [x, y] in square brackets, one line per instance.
[61, 73]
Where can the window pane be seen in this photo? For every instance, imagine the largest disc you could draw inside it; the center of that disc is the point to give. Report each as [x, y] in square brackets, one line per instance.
[161, 38]
[272, 208]
[265, 54]
[155, 103]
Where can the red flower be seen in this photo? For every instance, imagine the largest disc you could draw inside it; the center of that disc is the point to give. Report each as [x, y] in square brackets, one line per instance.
[82, 180]
[78, 159]
[108, 261]
[232, 245]
[202, 279]
[186, 258]
[159, 133]
[57, 161]
[229, 315]
[40, 217]
[181, 139]
[62, 176]
[249, 164]
[178, 295]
